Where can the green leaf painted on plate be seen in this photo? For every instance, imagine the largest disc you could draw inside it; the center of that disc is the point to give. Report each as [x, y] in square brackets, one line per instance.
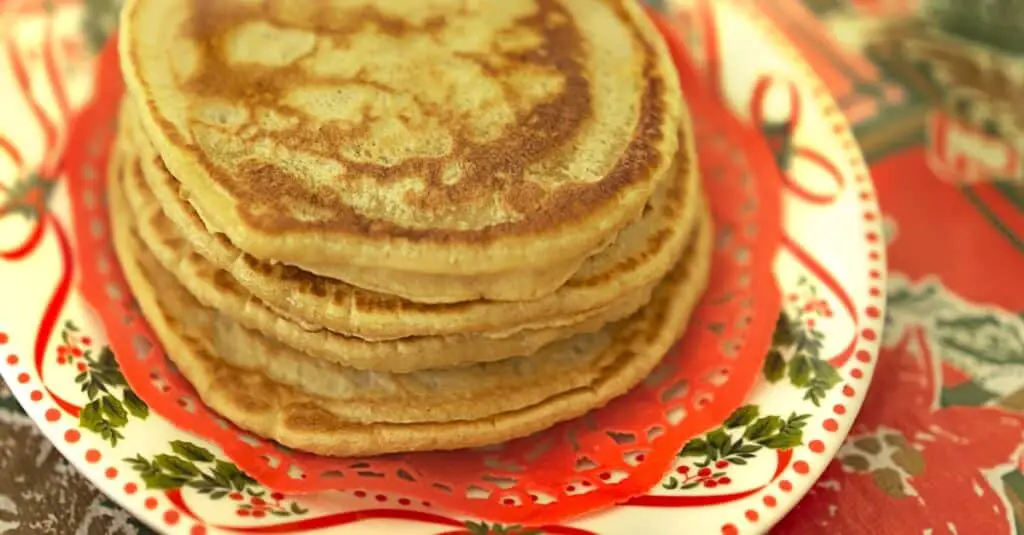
[136, 407]
[800, 371]
[192, 452]
[825, 372]
[696, 447]
[176, 466]
[764, 427]
[774, 366]
[115, 414]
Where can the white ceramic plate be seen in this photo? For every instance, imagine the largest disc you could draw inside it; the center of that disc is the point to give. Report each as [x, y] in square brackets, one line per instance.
[831, 269]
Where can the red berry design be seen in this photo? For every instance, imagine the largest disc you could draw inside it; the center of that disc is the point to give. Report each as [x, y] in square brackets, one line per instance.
[683, 469]
[237, 496]
[259, 513]
[62, 360]
[711, 483]
[721, 464]
[76, 352]
[277, 496]
[704, 472]
[724, 481]
[257, 501]
[86, 340]
[243, 512]
[82, 367]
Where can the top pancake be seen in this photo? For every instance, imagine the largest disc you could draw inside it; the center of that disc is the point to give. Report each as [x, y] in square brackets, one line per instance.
[433, 136]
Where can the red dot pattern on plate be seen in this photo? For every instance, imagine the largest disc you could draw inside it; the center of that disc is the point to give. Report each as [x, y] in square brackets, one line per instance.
[873, 235]
[93, 456]
[752, 515]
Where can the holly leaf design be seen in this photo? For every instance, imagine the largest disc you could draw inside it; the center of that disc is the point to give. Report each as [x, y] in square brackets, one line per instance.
[28, 197]
[742, 417]
[152, 475]
[190, 451]
[696, 447]
[99, 21]
[176, 466]
[478, 529]
[91, 417]
[783, 335]
[763, 428]
[800, 371]
[483, 528]
[718, 440]
[825, 372]
[115, 414]
[136, 407]
[783, 441]
[774, 366]
[162, 481]
[229, 472]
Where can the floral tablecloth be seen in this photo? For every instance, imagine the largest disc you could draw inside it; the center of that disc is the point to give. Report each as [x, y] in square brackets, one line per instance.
[935, 92]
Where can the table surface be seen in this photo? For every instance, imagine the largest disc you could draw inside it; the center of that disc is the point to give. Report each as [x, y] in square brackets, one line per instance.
[939, 440]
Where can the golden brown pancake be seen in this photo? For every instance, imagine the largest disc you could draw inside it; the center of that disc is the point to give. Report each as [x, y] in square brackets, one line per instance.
[369, 413]
[431, 138]
[631, 266]
[219, 290]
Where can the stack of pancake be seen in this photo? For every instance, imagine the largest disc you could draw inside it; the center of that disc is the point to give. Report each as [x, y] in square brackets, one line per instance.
[361, 227]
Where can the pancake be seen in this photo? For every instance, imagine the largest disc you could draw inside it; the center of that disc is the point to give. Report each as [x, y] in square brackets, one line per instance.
[633, 264]
[371, 413]
[218, 290]
[431, 137]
